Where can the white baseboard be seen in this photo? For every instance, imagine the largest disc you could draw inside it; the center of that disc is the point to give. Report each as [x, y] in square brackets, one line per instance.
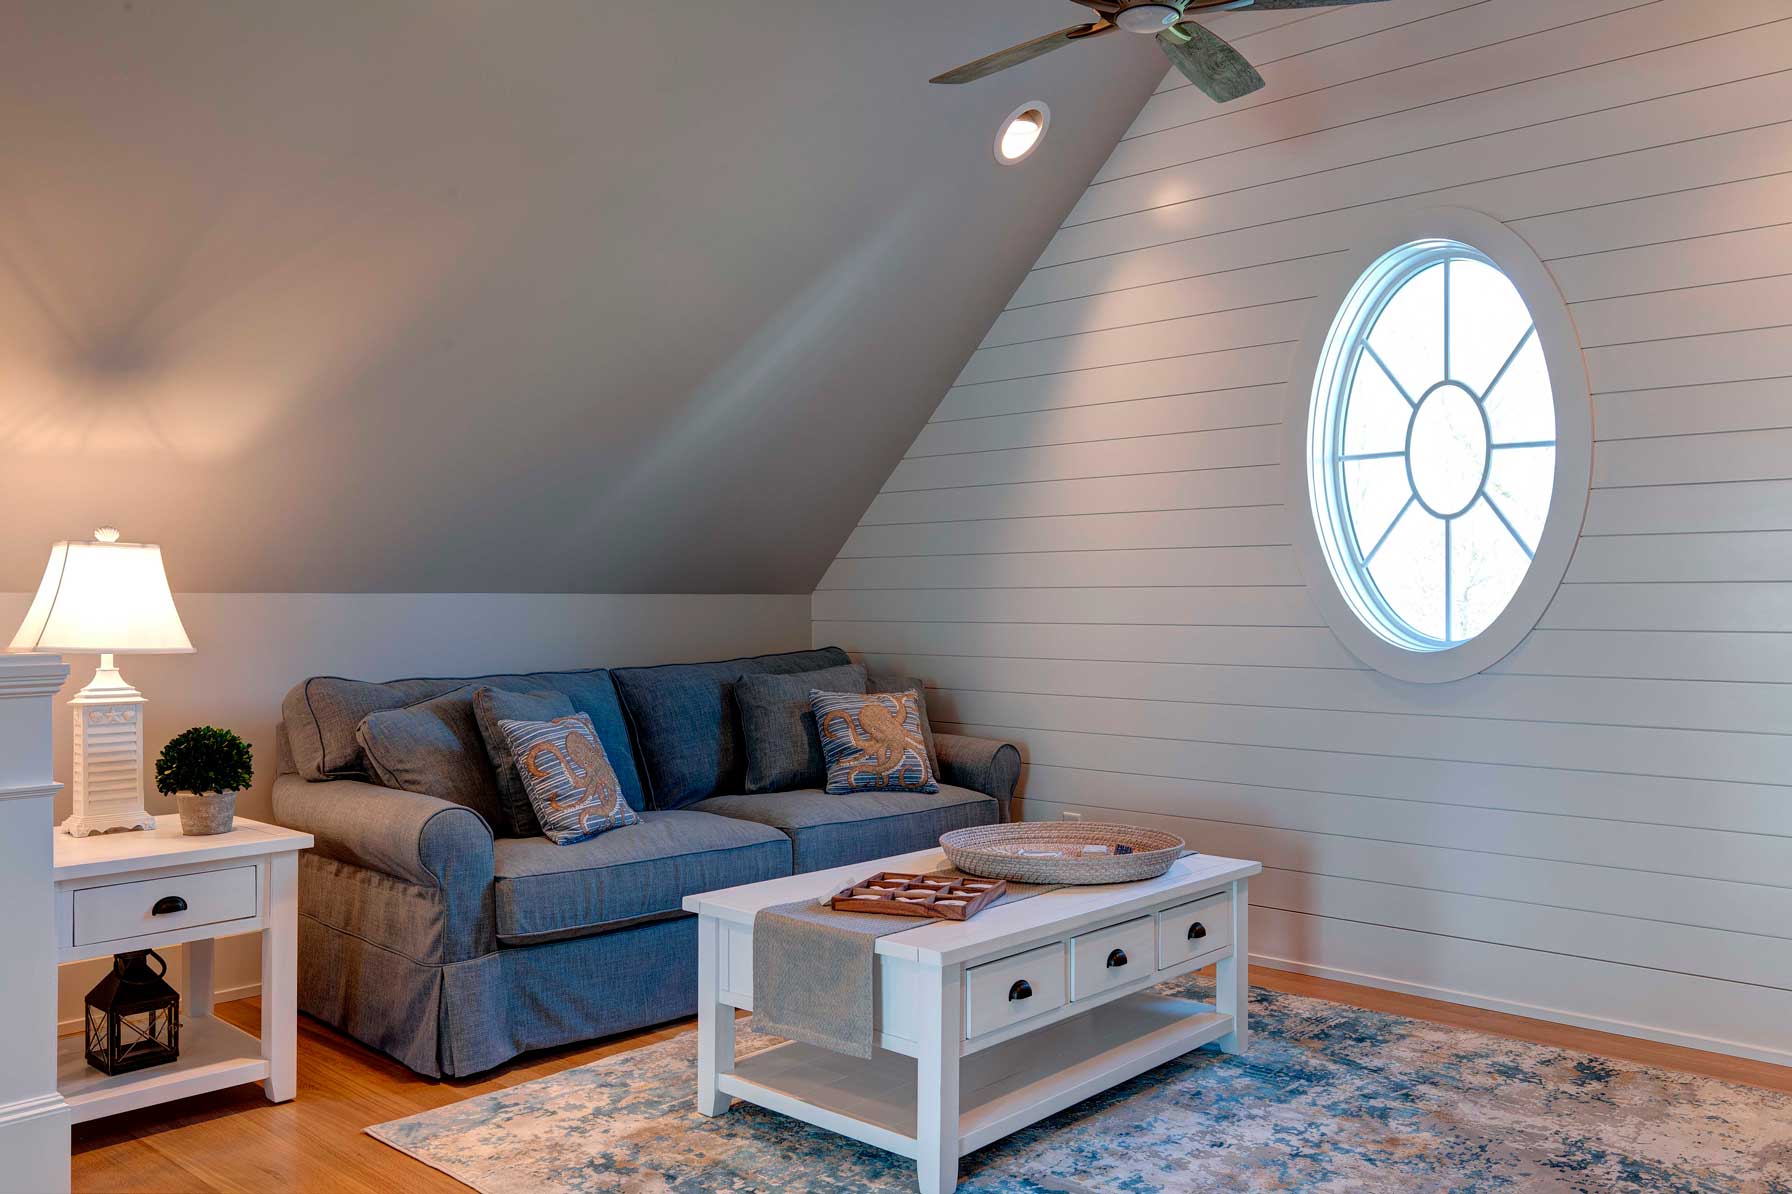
[72, 1026]
[1666, 1036]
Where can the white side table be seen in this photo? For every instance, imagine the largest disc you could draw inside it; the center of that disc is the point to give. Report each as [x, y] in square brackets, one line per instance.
[108, 888]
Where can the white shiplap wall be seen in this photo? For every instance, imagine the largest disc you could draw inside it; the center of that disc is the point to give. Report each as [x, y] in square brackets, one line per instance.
[1085, 550]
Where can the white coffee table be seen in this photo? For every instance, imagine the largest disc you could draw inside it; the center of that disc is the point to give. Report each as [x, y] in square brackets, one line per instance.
[987, 1025]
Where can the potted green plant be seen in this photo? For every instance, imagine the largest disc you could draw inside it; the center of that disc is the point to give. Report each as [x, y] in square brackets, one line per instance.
[204, 768]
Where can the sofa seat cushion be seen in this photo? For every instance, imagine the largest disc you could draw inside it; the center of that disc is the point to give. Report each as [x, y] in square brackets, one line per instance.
[629, 875]
[687, 725]
[828, 830]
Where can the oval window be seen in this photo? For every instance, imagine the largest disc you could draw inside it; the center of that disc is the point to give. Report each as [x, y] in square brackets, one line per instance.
[1433, 453]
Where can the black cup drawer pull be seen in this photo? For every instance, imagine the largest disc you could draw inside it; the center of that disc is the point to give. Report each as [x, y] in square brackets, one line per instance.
[168, 904]
[1116, 958]
[1197, 931]
[1022, 989]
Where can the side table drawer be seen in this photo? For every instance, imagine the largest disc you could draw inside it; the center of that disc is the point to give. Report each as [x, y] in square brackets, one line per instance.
[125, 910]
[1191, 930]
[1111, 957]
[1009, 990]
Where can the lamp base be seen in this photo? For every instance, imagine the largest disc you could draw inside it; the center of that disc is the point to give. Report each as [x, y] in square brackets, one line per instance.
[108, 758]
[87, 826]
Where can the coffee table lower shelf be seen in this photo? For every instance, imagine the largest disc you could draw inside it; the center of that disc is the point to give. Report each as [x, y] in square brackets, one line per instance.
[1001, 1089]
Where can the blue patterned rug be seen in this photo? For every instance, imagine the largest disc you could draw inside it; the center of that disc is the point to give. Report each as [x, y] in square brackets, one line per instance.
[1330, 1098]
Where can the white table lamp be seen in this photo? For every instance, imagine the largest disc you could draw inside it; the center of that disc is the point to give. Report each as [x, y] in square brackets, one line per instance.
[109, 598]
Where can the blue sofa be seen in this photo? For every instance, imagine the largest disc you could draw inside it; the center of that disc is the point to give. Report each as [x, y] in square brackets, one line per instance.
[452, 947]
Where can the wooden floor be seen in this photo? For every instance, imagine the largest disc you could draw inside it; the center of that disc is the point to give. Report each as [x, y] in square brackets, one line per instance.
[234, 1140]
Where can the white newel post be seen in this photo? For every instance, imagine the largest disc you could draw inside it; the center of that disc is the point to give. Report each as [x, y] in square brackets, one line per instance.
[34, 1121]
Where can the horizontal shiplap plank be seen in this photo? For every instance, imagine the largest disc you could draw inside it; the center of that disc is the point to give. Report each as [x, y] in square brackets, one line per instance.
[1251, 284]
[1150, 568]
[1637, 655]
[1602, 65]
[1217, 488]
[1232, 326]
[1738, 606]
[1677, 509]
[1745, 555]
[1680, 1009]
[1689, 259]
[1549, 157]
[1241, 526]
[1470, 838]
[1667, 901]
[1252, 646]
[1680, 314]
[1681, 754]
[1698, 459]
[1123, 764]
[1630, 192]
[1593, 885]
[1189, 606]
[1221, 448]
[1754, 405]
[1329, 58]
[1571, 700]
[1193, 373]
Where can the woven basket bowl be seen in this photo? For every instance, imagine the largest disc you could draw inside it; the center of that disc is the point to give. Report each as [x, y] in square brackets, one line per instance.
[990, 852]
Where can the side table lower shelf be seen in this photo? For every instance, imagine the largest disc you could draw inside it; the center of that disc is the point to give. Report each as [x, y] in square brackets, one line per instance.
[213, 1055]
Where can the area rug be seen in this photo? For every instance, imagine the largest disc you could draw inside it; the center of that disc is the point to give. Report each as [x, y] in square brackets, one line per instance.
[1329, 1098]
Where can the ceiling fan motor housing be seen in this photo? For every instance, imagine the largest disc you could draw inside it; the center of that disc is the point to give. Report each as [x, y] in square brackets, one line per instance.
[1148, 17]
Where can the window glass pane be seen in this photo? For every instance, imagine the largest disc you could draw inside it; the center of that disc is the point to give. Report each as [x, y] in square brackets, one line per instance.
[1409, 336]
[1375, 489]
[1409, 571]
[1520, 483]
[1447, 558]
[1486, 320]
[1375, 420]
[1486, 565]
[1520, 408]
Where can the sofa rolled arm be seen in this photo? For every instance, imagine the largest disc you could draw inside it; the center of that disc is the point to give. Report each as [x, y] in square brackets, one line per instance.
[420, 839]
[981, 764]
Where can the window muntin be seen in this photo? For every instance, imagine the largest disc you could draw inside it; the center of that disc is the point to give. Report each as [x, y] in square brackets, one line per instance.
[1435, 462]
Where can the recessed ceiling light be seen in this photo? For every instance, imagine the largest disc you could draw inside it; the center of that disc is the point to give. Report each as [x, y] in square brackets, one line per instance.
[1020, 134]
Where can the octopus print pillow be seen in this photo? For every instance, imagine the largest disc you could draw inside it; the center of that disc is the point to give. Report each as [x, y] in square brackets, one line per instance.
[873, 741]
[568, 777]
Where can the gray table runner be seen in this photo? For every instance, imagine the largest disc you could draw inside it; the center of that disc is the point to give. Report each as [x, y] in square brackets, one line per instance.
[813, 968]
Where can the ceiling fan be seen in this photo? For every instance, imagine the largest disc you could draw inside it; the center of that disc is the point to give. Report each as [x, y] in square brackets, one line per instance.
[1203, 55]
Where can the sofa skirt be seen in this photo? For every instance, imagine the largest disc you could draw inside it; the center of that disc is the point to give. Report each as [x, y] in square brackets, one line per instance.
[460, 1018]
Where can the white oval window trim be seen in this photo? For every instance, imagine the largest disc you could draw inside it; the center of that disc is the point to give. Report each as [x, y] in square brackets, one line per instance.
[1348, 306]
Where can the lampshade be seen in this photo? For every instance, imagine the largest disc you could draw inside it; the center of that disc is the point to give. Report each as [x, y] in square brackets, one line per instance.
[103, 597]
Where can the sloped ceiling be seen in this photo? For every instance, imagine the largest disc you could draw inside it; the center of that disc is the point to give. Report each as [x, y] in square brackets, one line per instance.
[544, 297]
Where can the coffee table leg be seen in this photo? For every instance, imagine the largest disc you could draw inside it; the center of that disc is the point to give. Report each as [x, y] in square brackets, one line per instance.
[936, 1079]
[715, 1020]
[1232, 978]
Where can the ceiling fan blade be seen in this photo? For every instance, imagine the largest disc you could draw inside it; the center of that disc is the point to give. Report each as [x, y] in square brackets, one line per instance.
[1209, 61]
[1026, 51]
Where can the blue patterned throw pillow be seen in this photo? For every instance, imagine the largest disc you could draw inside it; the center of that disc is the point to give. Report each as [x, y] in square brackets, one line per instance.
[873, 741]
[568, 777]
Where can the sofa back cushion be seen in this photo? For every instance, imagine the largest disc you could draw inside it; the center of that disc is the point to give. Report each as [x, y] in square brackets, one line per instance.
[777, 727]
[493, 705]
[687, 726]
[433, 747]
[322, 713]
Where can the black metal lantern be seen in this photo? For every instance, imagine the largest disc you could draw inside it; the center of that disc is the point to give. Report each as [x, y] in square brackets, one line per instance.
[133, 1016]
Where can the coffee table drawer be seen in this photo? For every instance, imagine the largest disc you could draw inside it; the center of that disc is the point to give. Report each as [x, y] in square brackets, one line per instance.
[1012, 989]
[124, 910]
[1192, 930]
[1111, 957]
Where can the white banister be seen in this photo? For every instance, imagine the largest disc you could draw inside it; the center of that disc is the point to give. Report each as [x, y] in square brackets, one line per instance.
[34, 1120]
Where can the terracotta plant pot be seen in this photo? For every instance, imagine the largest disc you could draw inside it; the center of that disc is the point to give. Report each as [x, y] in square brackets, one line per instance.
[203, 813]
